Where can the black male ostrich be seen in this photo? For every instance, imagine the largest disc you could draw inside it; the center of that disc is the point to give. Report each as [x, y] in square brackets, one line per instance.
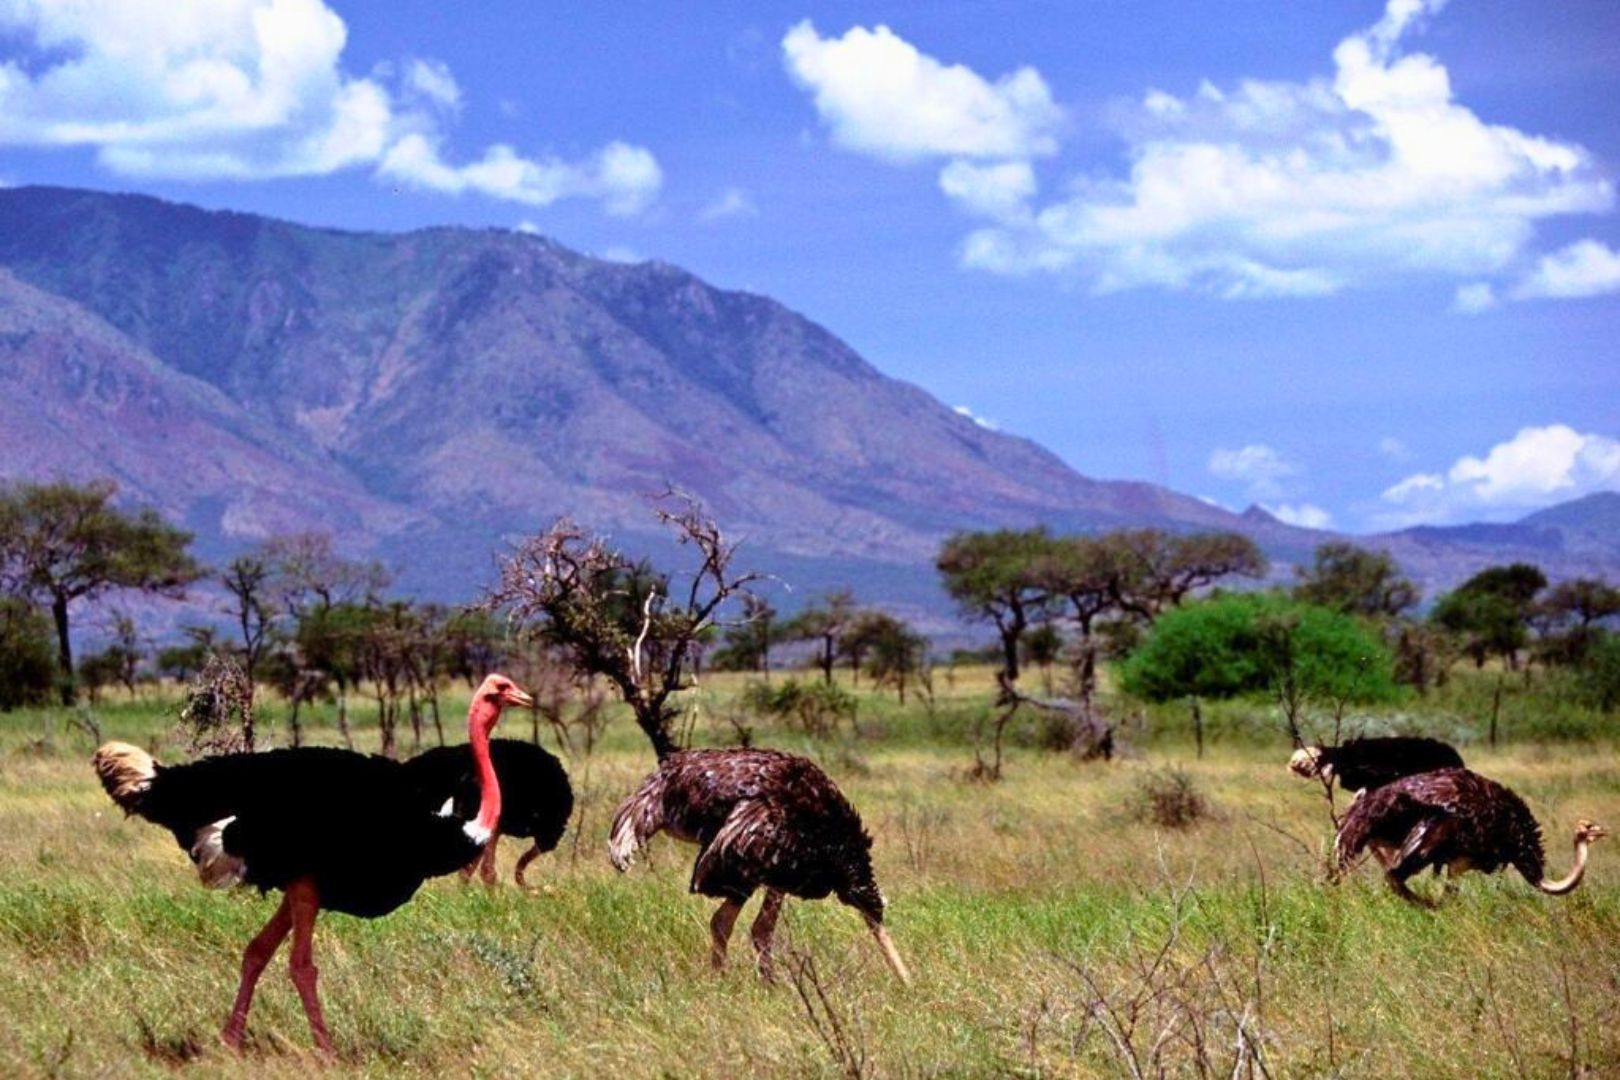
[761, 819]
[1361, 764]
[331, 828]
[1456, 820]
[536, 798]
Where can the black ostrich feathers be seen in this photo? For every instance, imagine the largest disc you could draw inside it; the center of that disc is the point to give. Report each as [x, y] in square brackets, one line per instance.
[1362, 764]
[536, 797]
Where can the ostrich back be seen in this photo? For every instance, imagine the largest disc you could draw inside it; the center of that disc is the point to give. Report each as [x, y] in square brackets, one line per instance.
[349, 821]
[536, 797]
[762, 818]
[1371, 763]
[1470, 817]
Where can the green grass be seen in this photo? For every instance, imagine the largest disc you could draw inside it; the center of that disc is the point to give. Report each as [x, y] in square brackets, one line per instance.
[1041, 918]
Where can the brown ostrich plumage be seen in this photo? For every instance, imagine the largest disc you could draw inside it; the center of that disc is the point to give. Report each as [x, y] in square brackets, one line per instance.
[1452, 820]
[761, 819]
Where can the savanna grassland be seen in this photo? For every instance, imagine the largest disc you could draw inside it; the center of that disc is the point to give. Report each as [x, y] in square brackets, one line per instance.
[1053, 928]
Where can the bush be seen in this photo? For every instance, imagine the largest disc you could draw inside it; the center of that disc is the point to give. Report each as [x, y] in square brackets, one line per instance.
[27, 655]
[1251, 643]
[1168, 798]
[814, 708]
[1599, 679]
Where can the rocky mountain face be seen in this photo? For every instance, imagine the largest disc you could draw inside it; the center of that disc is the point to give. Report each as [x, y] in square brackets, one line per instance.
[426, 395]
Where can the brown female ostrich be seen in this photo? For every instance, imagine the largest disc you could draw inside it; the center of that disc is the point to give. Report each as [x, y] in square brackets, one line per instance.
[1455, 820]
[760, 818]
[330, 828]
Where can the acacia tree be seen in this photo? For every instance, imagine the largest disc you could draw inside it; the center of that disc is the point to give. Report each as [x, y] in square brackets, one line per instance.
[748, 640]
[1491, 611]
[896, 654]
[1153, 570]
[617, 617]
[1355, 581]
[825, 623]
[1570, 617]
[995, 576]
[247, 579]
[331, 600]
[61, 543]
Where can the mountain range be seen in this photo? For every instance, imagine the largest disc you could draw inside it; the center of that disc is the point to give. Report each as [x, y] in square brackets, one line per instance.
[427, 396]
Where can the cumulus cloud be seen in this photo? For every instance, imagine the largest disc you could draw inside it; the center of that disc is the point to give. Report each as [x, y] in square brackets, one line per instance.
[253, 89]
[1257, 466]
[1539, 466]
[878, 94]
[1584, 268]
[1370, 172]
[625, 178]
[1304, 515]
[730, 203]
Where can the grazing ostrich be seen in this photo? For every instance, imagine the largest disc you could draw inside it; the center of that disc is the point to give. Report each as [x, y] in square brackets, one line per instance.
[761, 819]
[536, 799]
[1361, 764]
[1455, 820]
[330, 828]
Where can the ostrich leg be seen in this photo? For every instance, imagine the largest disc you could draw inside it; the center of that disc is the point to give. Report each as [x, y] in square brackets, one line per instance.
[763, 929]
[523, 863]
[486, 869]
[306, 907]
[255, 958]
[725, 917]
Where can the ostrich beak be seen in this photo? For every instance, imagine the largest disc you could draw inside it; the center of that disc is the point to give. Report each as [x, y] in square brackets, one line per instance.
[881, 934]
[518, 698]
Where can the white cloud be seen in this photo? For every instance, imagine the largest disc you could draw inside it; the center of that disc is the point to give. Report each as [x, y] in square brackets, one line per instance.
[624, 177]
[981, 421]
[253, 89]
[879, 95]
[1260, 468]
[1369, 173]
[1584, 268]
[1001, 191]
[620, 254]
[432, 80]
[1304, 515]
[1539, 466]
[1475, 297]
[730, 203]
[528, 228]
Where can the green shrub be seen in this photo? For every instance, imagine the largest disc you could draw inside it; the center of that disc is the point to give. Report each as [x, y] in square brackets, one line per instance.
[813, 707]
[1251, 643]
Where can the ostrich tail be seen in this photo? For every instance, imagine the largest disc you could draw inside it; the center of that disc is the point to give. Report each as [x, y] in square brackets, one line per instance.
[126, 772]
[638, 818]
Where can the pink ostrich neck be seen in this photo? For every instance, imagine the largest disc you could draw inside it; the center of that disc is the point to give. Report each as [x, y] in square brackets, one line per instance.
[481, 720]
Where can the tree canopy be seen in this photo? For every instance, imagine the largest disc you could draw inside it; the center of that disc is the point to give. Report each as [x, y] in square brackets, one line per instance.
[1356, 581]
[1248, 643]
[62, 542]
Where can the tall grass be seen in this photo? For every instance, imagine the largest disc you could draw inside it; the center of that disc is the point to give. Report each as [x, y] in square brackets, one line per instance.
[1052, 931]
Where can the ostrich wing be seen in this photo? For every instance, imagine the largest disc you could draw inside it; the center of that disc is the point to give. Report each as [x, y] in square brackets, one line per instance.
[751, 846]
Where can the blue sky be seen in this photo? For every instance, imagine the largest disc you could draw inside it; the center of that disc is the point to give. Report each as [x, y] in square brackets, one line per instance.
[1359, 263]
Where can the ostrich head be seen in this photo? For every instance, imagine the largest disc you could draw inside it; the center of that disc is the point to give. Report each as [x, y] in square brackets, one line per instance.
[495, 692]
[1587, 832]
[1307, 762]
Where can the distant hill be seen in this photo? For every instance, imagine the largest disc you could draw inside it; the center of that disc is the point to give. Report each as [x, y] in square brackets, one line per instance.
[426, 395]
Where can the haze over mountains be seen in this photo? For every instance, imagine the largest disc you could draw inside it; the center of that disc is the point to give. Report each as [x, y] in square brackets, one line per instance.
[424, 395]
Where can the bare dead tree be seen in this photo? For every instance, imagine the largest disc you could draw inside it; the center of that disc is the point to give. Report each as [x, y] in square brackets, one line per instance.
[617, 617]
